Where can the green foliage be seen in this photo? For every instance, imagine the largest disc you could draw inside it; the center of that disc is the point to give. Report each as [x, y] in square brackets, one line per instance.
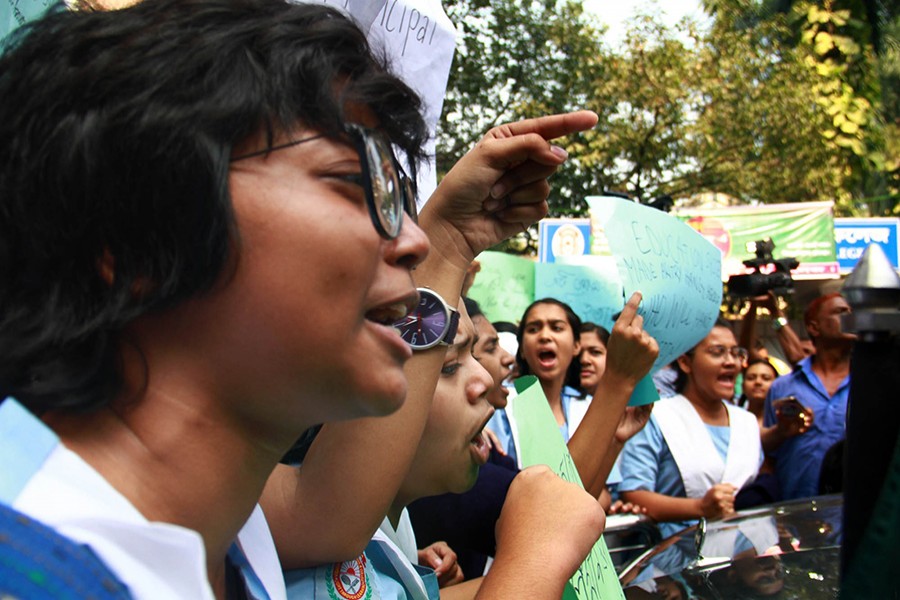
[777, 101]
[520, 59]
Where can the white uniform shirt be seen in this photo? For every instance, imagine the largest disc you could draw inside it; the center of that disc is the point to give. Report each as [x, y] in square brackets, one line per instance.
[155, 560]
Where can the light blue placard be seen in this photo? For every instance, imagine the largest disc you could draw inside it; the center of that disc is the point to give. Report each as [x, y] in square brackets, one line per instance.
[675, 268]
[592, 293]
[14, 13]
[593, 288]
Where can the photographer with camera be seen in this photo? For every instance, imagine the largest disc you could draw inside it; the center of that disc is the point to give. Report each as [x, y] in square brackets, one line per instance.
[763, 290]
[793, 348]
[820, 386]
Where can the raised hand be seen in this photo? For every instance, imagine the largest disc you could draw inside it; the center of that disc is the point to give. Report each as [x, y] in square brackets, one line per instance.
[499, 187]
[631, 351]
[633, 420]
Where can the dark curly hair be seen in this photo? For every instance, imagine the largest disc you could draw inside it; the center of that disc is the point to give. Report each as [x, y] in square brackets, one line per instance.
[117, 129]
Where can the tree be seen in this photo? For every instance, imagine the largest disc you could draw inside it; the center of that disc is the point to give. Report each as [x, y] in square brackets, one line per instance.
[766, 105]
[515, 60]
[851, 46]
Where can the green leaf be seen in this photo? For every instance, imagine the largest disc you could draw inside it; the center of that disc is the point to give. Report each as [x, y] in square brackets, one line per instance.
[824, 43]
[849, 127]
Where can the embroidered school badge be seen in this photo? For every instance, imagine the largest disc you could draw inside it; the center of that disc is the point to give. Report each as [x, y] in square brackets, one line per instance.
[348, 581]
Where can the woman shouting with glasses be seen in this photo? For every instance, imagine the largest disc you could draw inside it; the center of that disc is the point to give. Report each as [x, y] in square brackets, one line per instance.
[698, 449]
[204, 250]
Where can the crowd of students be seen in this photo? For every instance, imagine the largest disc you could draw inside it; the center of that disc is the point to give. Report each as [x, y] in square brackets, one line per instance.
[206, 244]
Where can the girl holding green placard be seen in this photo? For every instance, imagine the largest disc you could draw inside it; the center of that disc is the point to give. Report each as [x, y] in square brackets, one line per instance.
[549, 343]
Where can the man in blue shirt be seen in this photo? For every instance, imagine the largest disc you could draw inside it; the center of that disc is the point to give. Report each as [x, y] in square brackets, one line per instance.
[822, 386]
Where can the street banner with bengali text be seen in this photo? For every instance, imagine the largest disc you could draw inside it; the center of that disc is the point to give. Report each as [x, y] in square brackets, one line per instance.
[801, 230]
[853, 236]
[542, 444]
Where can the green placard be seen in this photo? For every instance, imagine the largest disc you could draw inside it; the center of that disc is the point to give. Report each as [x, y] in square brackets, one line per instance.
[541, 444]
[504, 287]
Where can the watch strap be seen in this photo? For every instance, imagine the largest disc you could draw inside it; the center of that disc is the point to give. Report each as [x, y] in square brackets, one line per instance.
[452, 326]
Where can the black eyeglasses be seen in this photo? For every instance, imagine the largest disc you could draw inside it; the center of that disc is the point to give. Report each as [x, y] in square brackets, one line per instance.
[389, 192]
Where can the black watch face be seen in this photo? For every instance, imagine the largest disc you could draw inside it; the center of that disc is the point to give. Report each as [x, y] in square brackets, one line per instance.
[426, 325]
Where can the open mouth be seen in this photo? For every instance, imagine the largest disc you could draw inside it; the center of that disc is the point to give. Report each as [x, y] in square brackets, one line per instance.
[394, 314]
[479, 446]
[727, 378]
[480, 449]
[389, 314]
[547, 358]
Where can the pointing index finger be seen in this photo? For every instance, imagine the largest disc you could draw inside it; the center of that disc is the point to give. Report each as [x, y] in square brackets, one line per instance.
[631, 307]
[550, 126]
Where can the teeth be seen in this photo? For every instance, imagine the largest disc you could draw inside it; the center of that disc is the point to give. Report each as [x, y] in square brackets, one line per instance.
[388, 315]
[399, 310]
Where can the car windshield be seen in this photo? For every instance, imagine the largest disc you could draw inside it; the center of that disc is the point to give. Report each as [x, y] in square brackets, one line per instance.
[789, 550]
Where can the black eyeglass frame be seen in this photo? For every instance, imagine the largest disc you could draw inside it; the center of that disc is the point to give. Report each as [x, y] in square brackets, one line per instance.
[362, 138]
[405, 186]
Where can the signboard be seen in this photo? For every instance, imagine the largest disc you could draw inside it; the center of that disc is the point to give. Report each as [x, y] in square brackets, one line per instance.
[676, 270]
[853, 236]
[541, 444]
[802, 230]
[563, 238]
[14, 13]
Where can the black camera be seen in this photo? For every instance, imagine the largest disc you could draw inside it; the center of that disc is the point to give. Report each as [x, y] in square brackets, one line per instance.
[759, 283]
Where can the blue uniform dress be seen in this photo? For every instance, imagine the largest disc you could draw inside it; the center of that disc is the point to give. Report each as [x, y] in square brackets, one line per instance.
[798, 460]
[500, 423]
[501, 426]
[42, 479]
[380, 573]
[647, 464]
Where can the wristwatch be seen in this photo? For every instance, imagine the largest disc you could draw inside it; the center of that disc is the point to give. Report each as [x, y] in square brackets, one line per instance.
[432, 322]
[779, 323]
